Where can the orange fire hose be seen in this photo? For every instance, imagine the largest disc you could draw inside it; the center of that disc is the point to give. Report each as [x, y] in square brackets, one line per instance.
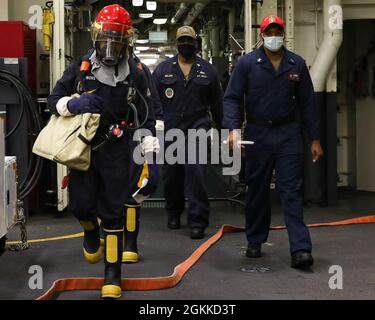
[157, 283]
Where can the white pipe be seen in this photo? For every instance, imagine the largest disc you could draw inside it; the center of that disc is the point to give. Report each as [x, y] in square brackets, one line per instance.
[333, 35]
[58, 68]
[194, 13]
[180, 12]
[248, 26]
[289, 28]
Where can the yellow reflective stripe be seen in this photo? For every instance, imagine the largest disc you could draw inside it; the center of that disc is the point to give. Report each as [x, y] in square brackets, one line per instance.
[71, 236]
[144, 174]
[130, 219]
[111, 248]
[132, 205]
[119, 230]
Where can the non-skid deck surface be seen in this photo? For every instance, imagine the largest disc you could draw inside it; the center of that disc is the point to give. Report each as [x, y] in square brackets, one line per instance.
[223, 272]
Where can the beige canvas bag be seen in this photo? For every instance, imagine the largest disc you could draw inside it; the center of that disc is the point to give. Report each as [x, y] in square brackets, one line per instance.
[66, 140]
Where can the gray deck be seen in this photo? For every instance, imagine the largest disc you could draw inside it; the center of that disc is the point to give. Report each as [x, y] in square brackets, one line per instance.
[217, 275]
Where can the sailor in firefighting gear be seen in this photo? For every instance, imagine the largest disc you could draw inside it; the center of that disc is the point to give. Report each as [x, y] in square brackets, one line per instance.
[110, 82]
[189, 88]
[275, 83]
[132, 216]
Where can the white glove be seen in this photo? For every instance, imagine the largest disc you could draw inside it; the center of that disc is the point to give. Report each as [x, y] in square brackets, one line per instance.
[159, 125]
[62, 105]
[150, 144]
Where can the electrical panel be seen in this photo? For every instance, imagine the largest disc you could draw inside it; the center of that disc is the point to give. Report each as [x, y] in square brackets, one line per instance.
[8, 209]
[10, 190]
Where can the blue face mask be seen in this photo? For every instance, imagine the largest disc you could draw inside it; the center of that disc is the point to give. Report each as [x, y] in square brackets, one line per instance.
[273, 44]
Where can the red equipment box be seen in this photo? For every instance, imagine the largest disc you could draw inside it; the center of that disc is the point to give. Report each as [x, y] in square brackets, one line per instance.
[17, 40]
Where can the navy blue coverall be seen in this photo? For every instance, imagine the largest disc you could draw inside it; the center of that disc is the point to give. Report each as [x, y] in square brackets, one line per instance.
[271, 95]
[186, 105]
[112, 178]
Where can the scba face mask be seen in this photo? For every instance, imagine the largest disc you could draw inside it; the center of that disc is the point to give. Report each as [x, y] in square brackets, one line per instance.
[110, 52]
[273, 44]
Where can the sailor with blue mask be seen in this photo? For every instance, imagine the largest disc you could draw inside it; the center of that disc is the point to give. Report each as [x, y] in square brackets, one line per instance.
[276, 85]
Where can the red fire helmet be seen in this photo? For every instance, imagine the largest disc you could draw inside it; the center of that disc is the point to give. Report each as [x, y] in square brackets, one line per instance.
[113, 22]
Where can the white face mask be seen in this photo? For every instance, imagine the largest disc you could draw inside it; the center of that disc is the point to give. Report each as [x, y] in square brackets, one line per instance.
[273, 44]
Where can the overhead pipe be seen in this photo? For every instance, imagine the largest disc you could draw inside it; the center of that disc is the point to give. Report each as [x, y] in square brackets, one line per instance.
[333, 36]
[214, 30]
[194, 13]
[180, 12]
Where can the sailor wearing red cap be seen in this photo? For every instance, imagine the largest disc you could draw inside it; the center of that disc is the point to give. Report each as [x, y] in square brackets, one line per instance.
[277, 86]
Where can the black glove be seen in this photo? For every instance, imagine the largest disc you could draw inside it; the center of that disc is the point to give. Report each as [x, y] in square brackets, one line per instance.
[86, 103]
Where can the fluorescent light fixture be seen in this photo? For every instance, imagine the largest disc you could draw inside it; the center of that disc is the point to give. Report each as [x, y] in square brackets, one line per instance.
[136, 51]
[142, 48]
[146, 15]
[149, 62]
[169, 55]
[137, 3]
[142, 41]
[148, 56]
[158, 36]
[160, 21]
[151, 5]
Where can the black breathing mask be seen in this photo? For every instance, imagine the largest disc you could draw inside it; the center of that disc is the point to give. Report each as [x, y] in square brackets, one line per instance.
[110, 52]
[187, 50]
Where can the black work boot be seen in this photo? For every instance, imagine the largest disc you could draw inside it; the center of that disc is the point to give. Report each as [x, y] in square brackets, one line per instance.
[91, 241]
[254, 250]
[174, 221]
[131, 229]
[197, 233]
[112, 262]
[302, 259]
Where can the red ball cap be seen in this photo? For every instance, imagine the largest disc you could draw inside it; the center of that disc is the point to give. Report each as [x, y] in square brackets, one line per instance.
[270, 20]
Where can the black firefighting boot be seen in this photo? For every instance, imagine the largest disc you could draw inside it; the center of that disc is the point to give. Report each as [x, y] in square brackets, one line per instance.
[91, 242]
[131, 229]
[112, 262]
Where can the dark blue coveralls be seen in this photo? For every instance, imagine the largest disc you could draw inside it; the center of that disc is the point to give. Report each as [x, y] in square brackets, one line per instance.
[186, 105]
[271, 102]
[112, 178]
[157, 107]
